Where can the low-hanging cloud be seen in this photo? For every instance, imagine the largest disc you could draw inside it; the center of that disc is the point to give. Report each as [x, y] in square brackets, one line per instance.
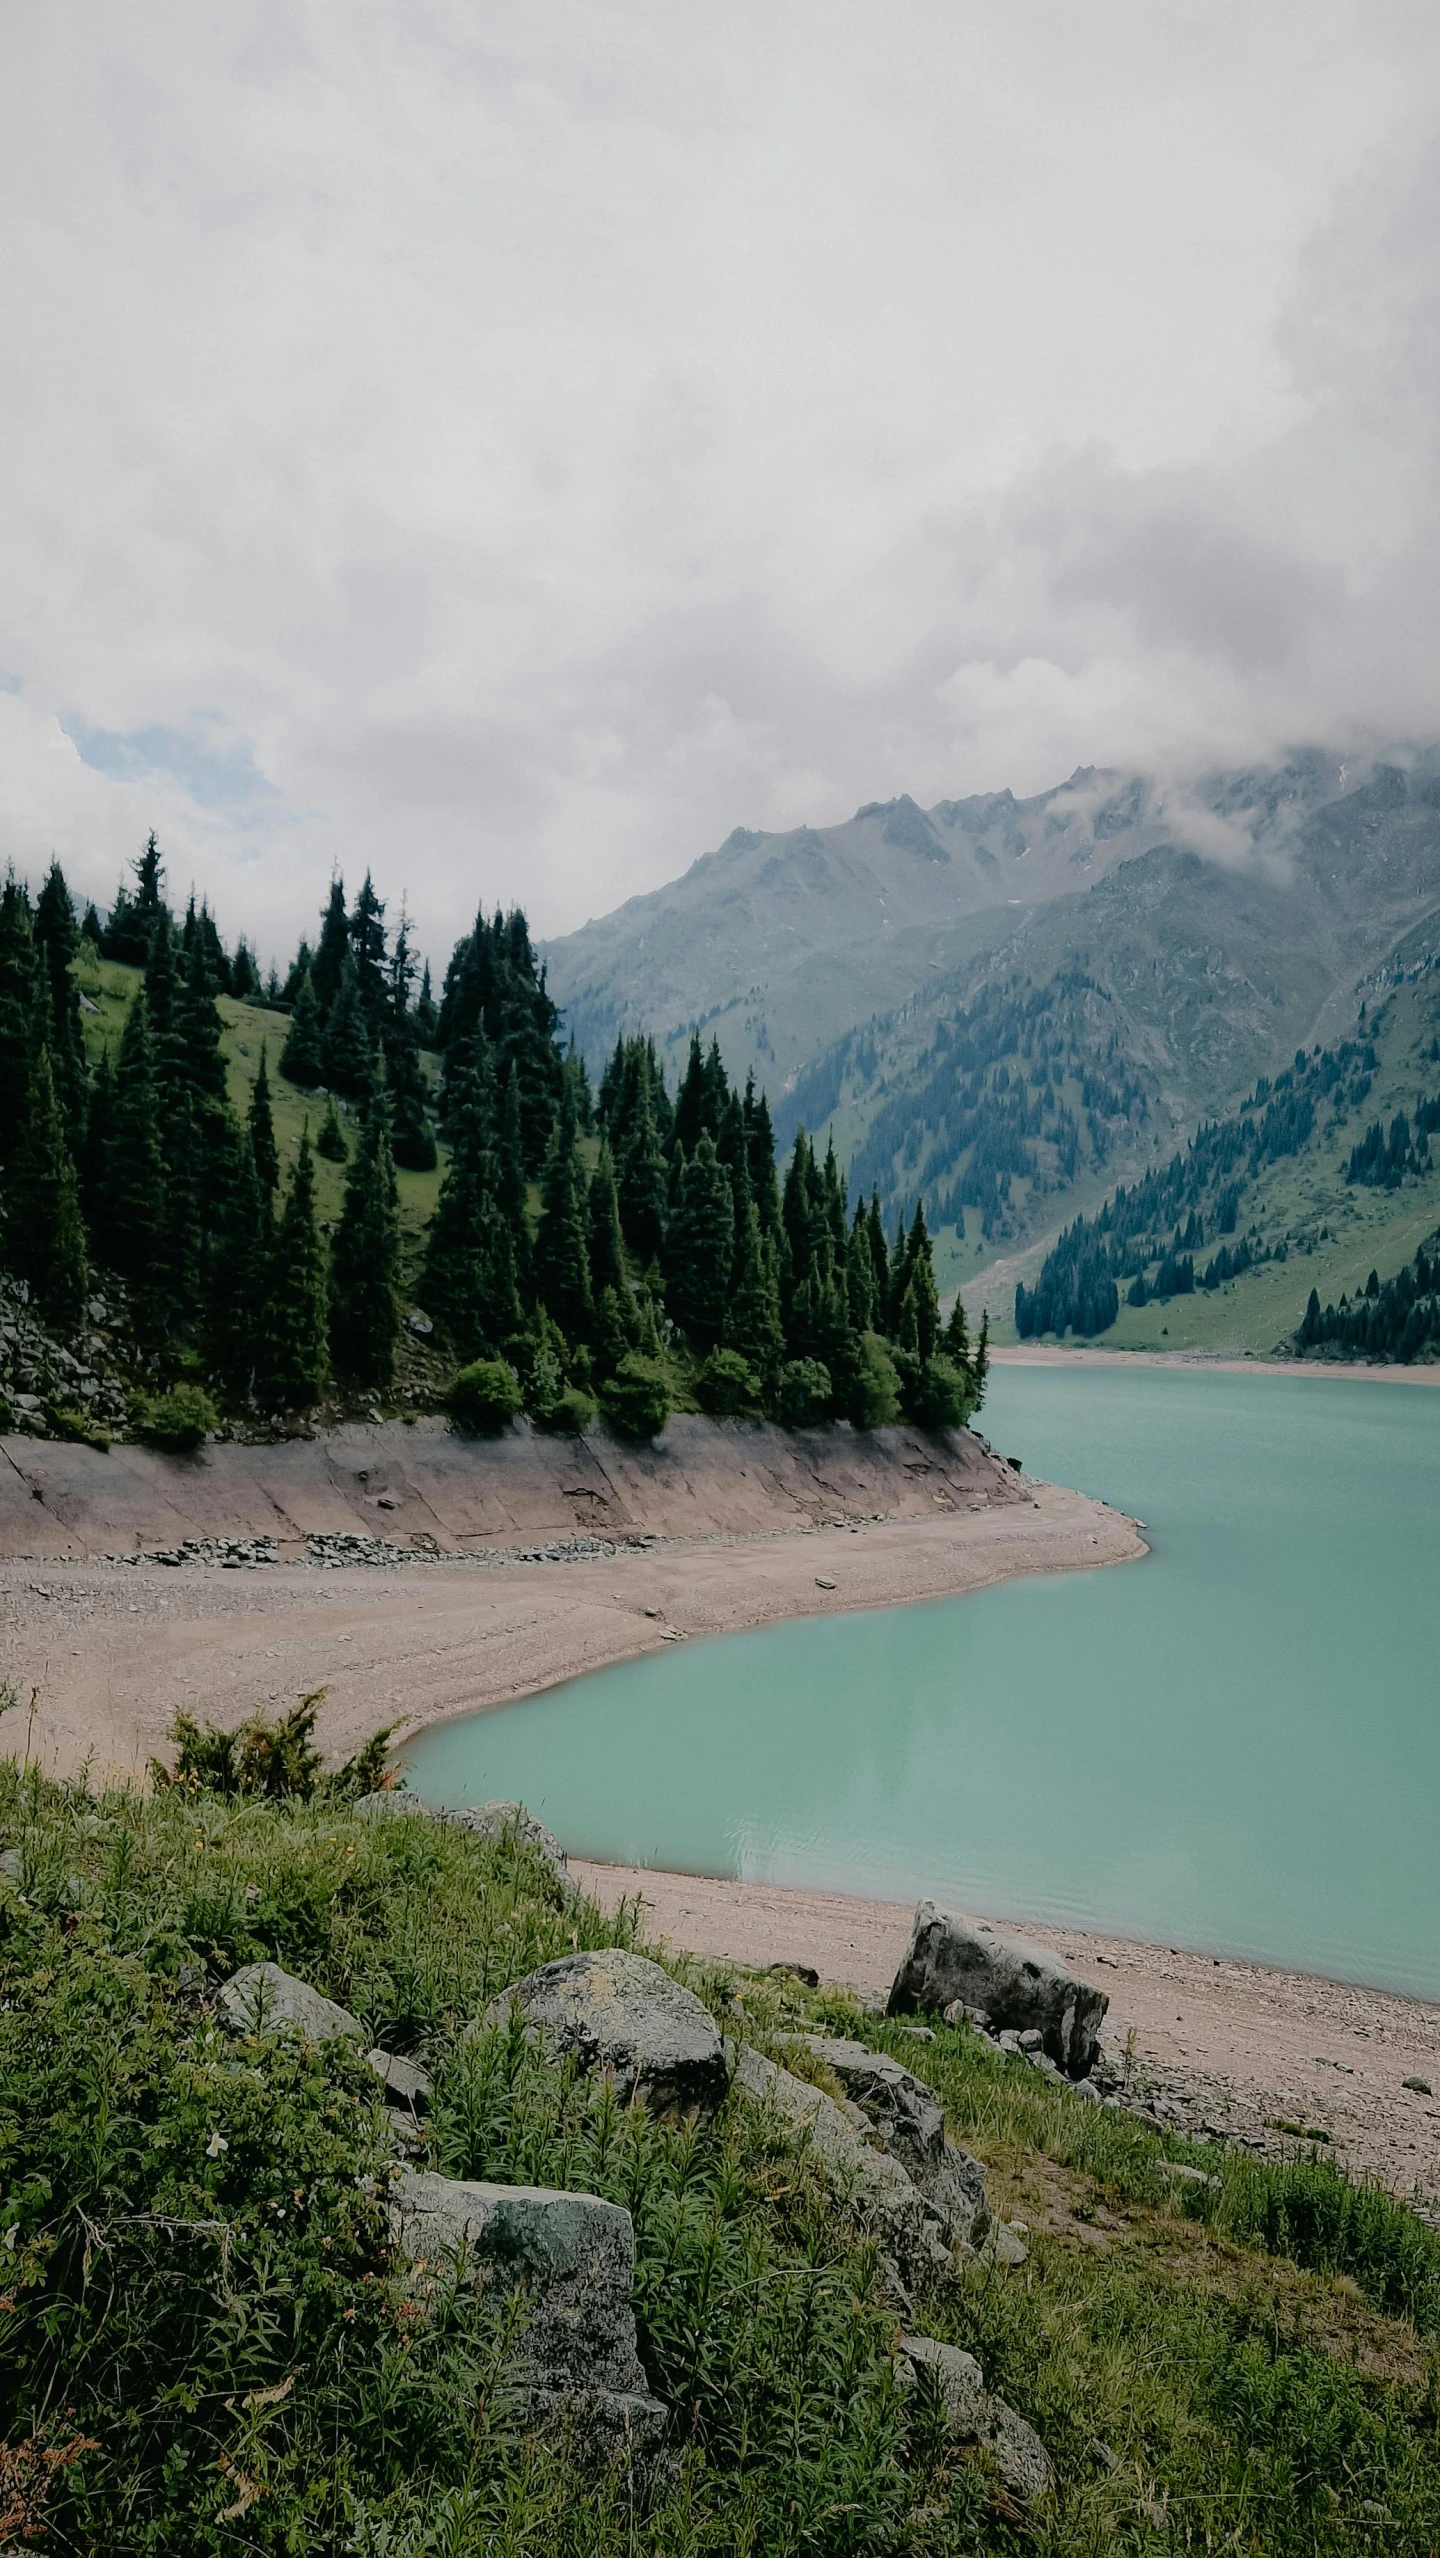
[510, 448]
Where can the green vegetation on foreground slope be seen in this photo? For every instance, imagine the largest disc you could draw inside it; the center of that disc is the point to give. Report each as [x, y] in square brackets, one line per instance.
[208, 2345]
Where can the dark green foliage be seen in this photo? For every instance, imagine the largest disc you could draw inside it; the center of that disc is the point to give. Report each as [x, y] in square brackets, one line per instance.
[365, 1261]
[752, 1324]
[293, 1359]
[572, 1411]
[261, 1125]
[1399, 1319]
[44, 1233]
[411, 1135]
[57, 942]
[239, 1278]
[562, 1253]
[494, 987]
[300, 1059]
[22, 1010]
[941, 1397]
[873, 1399]
[485, 1396]
[136, 915]
[607, 1249]
[636, 1398]
[179, 1421]
[469, 1284]
[331, 1141]
[803, 1396]
[700, 1246]
[245, 982]
[346, 1055]
[270, 1761]
[332, 949]
[727, 1384]
[131, 1237]
[367, 949]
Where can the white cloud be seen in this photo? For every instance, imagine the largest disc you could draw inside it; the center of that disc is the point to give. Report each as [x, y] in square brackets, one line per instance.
[512, 447]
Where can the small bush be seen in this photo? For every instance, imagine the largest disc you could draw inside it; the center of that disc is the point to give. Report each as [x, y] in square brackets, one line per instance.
[68, 1421]
[277, 1761]
[727, 1384]
[942, 1396]
[874, 1397]
[804, 1393]
[485, 1396]
[331, 1141]
[178, 1421]
[572, 1411]
[636, 1400]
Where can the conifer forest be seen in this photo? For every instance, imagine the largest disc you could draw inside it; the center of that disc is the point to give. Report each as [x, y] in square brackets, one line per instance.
[624, 1248]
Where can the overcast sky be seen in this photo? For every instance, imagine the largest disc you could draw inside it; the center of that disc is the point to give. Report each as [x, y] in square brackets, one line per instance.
[511, 445]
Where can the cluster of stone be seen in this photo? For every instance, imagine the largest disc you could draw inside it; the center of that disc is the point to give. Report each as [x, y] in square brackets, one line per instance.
[570, 2257]
[41, 1381]
[1020, 1994]
[228, 1554]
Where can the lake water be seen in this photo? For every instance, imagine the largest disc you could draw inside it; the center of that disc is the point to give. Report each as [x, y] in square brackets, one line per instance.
[1234, 1745]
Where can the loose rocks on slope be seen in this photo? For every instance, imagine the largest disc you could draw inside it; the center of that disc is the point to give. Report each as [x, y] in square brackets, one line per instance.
[908, 2122]
[1013, 1984]
[972, 2415]
[621, 2014]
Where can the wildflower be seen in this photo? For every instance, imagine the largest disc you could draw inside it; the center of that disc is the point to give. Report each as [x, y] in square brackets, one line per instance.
[216, 2145]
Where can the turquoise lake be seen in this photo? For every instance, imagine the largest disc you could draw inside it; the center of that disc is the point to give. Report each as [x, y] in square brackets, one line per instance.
[1233, 1745]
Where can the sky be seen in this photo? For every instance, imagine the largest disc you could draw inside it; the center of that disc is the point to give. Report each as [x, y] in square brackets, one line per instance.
[509, 447]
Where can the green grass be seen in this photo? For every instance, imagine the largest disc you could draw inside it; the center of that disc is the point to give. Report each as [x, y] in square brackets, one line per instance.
[208, 2348]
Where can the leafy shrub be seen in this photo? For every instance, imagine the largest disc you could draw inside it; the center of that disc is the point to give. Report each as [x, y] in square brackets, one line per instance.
[278, 1761]
[636, 1400]
[941, 1397]
[179, 1421]
[69, 1421]
[485, 1396]
[572, 1411]
[727, 1384]
[874, 1397]
[803, 1394]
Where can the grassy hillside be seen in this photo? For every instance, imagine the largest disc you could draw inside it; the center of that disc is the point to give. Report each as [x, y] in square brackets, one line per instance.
[208, 2346]
[1320, 1230]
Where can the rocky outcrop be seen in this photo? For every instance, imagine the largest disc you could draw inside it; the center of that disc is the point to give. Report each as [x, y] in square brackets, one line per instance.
[972, 2415]
[907, 2121]
[1008, 1982]
[571, 2258]
[624, 2016]
[262, 1999]
[873, 2185]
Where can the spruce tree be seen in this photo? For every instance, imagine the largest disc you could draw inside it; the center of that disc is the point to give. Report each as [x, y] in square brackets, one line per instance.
[412, 1138]
[920, 1285]
[427, 1020]
[956, 1338]
[240, 1275]
[293, 1362]
[332, 949]
[200, 1026]
[607, 1250]
[562, 1258]
[367, 950]
[265, 1155]
[860, 1274]
[879, 1259]
[57, 940]
[346, 1057]
[642, 1180]
[752, 1322]
[95, 1150]
[300, 1057]
[760, 1144]
[131, 1235]
[700, 1247]
[23, 1012]
[136, 915]
[331, 1141]
[182, 1244]
[44, 1234]
[365, 1260]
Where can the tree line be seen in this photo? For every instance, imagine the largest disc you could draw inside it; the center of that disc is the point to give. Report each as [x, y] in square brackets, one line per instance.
[1397, 1319]
[619, 1242]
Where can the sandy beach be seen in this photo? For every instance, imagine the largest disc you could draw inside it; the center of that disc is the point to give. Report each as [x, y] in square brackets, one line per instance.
[1041, 1354]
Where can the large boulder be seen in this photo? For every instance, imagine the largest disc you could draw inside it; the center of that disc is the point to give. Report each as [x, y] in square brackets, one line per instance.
[571, 2257]
[972, 2415]
[262, 1999]
[872, 2186]
[1010, 1982]
[623, 2015]
[906, 2119]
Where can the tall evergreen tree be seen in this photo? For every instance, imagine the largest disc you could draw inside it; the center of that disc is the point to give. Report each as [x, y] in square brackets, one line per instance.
[367, 950]
[365, 1260]
[413, 1138]
[427, 1019]
[294, 1361]
[346, 1055]
[607, 1249]
[44, 1234]
[240, 1276]
[760, 1140]
[642, 1178]
[700, 1247]
[95, 1151]
[264, 1153]
[136, 915]
[562, 1258]
[132, 1232]
[200, 1027]
[860, 1274]
[300, 1059]
[752, 1322]
[332, 948]
[57, 940]
[22, 1012]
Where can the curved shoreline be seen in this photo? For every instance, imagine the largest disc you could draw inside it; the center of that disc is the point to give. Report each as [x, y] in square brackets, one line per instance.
[114, 1649]
[1223, 1363]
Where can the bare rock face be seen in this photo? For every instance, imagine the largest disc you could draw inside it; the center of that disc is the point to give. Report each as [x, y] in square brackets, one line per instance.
[576, 2366]
[621, 2014]
[876, 2188]
[907, 2120]
[1013, 1984]
[262, 1999]
[974, 2416]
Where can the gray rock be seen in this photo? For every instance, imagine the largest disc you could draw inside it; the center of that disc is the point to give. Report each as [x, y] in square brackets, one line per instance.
[1018, 1986]
[1180, 2174]
[261, 1999]
[496, 1820]
[909, 2123]
[868, 2181]
[623, 2015]
[576, 2365]
[974, 2416]
[406, 2083]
